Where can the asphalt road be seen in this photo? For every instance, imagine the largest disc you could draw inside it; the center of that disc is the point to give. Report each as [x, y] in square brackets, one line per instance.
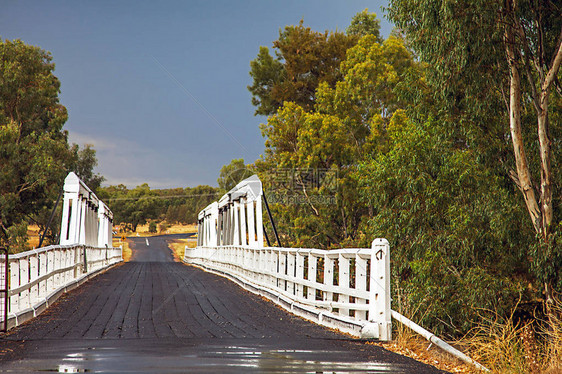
[153, 315]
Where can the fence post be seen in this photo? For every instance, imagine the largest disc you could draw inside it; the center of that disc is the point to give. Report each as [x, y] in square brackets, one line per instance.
[5, 286]
[312, 270]
[343, 281]
[379, 300]
[360, 283]
[33, 275]
[14, 283]
[43, 269]
[328, 279]
[299, 274]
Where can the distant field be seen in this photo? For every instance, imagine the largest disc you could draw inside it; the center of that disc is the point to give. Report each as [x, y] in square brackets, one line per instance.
[34, 235]
[172, 229]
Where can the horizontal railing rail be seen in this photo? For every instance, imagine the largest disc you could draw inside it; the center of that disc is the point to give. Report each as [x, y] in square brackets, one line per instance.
[38, 277]
[347, 289]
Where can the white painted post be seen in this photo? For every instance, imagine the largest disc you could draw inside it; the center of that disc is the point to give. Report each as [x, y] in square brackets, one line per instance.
[312, 269]
[251, 224]
[259, 223]
[14, 283]
[68, 262]
[82, 224]
[50, 267]
[236, 222]
[379, 303]
[24, 279]
[242, 206]
[57, 265]
[343, 282]
[328, 278]
[33, 275]
[291, 262]
[77, 260]
[282, 284]
[275, 258]
[299, 274]
[103, 222]
[42, 271]
[361, 284]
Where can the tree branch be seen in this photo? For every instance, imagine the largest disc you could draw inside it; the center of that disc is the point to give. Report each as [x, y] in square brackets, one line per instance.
[527, 55]
[556, 61]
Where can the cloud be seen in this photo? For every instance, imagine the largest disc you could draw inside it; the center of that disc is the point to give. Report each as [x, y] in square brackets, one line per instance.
[124, 161]
[121, 161]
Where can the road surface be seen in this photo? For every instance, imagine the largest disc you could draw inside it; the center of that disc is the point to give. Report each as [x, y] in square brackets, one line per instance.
[153, 315]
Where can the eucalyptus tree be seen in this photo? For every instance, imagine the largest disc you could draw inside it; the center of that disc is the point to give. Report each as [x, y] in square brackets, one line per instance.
[34, 153]
[304, 58]
[503, 54]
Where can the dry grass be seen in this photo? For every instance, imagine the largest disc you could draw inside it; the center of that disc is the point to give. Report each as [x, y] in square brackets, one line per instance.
[408, 343]
[178, 247]
[127, 252]
[142, 230]
[421, 350]
[33, 236]
[497, 343]
[507, 348]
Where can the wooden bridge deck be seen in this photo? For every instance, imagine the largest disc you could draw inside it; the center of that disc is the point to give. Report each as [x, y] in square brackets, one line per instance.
[156, 315]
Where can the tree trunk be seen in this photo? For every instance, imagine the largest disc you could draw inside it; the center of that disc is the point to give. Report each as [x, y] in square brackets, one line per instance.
[546, 172]
[523, 173]
[545, 152]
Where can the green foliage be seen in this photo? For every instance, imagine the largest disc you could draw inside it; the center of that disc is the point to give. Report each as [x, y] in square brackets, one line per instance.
[84, 163]
[34, 154]
[349, 120]
[365, 23]
[421, 160]
[163, 227]
[304, 59]
[267, 74]
[137, 206]
[457, 232]
[233, 173]
[466, 45]
[152, 227]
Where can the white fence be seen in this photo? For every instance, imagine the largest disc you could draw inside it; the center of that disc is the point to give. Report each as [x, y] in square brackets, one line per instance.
[347, 289]
[38, 277]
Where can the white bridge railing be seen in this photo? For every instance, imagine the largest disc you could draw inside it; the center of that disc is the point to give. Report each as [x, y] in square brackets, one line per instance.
[40, 276]
[347, 289]
[36, 278]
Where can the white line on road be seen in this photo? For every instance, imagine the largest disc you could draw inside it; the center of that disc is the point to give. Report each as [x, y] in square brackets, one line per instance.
[147, 244]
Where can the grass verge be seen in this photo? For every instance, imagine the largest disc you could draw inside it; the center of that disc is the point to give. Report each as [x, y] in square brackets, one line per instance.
[127, 252]
[178, 247]
[506, 347]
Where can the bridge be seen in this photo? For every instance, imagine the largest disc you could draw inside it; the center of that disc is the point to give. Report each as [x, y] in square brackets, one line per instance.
[233, 305]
